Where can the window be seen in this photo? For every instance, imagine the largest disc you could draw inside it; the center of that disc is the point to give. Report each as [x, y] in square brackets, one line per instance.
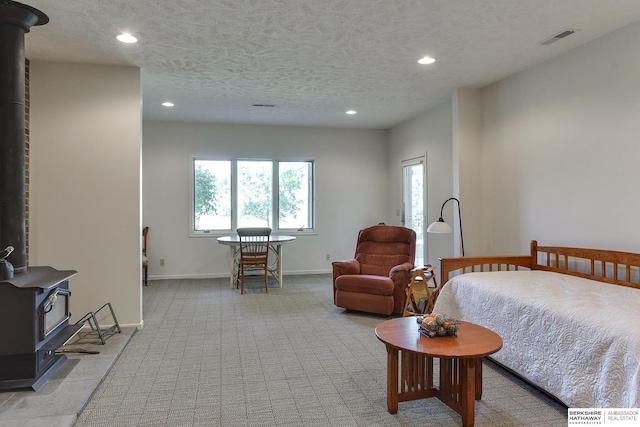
[228, 194]
[255, 193]
[212, 184]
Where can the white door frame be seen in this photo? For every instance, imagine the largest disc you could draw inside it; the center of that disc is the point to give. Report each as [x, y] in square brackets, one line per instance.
[413, 162]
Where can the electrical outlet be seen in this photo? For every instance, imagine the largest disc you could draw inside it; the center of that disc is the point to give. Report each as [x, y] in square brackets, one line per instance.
[161, 262]
[328, 257]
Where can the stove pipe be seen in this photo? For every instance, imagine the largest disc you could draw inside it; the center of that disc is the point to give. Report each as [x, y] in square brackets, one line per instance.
[15, 20]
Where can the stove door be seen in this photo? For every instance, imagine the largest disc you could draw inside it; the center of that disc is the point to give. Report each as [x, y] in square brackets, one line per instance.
[54, 311]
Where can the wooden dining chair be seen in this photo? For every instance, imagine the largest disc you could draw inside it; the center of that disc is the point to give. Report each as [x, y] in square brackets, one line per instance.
[145, 259]
[254, 255]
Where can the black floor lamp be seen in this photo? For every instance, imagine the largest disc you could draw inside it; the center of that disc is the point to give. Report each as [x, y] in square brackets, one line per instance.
[441, 227]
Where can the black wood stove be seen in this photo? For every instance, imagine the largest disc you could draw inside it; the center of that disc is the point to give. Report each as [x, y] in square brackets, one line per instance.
[34, 322]
[34, 302]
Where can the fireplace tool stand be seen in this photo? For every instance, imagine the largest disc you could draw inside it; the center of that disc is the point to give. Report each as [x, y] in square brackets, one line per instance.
[92, 319]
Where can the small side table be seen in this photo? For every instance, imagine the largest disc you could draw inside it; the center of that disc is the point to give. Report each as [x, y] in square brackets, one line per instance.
[418, 289]
[460, 361]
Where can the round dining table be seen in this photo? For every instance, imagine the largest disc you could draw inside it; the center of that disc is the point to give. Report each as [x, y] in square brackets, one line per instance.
[275, 264]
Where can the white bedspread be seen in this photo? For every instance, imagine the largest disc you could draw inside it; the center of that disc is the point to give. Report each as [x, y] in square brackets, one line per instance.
[576, 338]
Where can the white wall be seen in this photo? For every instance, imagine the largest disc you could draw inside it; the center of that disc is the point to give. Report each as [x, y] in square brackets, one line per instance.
[558, 156]
[561, 144]
[467, 170]
[85, 182]
[429, 133]
[351, 190]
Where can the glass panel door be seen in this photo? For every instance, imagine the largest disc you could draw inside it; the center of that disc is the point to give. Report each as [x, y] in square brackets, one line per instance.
[413, 202]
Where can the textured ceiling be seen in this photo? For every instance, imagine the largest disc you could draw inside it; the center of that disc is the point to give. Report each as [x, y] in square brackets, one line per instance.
[315, 59]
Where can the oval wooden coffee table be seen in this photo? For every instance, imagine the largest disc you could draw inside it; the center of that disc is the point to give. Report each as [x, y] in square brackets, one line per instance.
[460, 364]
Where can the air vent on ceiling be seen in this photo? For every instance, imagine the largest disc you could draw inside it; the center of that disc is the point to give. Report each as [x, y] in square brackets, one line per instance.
[556, 37]
[264, 105]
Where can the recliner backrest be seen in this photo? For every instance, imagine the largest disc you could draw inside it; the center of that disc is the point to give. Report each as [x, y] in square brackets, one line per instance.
[382, 247]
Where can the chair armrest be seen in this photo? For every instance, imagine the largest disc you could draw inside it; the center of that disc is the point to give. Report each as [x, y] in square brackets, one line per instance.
[340, 268]
[350, 266]
[402, 269]
[401, 276]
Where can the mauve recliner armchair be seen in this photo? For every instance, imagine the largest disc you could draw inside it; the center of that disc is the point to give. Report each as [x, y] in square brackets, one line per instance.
[375, 280]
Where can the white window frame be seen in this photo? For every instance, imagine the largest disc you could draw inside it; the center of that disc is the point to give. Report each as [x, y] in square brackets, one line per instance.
[234, 197]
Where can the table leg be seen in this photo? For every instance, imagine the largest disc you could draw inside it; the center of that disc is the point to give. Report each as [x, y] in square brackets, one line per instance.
[233, 272]
[468, 391]
[479, 378]
[279, 249]
[392, 380]
[461, 385]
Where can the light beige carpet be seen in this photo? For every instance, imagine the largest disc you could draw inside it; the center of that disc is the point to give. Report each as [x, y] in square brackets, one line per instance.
[209, 356]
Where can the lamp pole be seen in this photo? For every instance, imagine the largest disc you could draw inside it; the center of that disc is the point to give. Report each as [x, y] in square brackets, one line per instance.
[442, 227]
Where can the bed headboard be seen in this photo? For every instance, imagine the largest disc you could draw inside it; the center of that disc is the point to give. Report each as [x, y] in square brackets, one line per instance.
[619, 268]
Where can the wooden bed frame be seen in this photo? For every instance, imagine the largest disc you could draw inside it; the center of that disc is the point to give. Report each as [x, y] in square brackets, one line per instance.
[611, 267]
[618, 268]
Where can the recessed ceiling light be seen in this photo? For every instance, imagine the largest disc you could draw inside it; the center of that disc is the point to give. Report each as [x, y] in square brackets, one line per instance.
[351, 112]
[167, 104]
[426, 60]
[126, 38]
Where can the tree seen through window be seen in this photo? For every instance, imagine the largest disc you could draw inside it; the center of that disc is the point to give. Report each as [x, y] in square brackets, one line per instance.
[265, 192]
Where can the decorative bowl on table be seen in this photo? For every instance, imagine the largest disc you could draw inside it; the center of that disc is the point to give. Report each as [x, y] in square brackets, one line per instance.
[437, 325]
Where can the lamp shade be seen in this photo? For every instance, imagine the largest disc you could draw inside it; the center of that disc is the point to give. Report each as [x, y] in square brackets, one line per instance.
[439, 227]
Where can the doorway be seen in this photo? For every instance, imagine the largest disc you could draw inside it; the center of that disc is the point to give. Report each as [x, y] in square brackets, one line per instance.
[414, 197]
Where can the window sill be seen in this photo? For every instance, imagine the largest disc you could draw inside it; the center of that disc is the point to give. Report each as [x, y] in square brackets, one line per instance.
[217, 234]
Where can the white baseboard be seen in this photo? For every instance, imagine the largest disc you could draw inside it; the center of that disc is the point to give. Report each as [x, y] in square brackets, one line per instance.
[218, 276]
[188, 276]
[306, 272]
